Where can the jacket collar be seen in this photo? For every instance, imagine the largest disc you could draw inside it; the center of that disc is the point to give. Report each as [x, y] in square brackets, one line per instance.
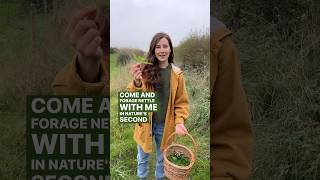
[216, 24]
[218, 30]
[221, 33]
[176, 69]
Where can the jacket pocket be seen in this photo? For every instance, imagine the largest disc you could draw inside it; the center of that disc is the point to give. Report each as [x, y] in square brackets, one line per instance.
[139, 131]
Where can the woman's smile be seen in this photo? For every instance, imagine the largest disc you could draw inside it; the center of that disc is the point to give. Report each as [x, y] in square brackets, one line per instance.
[163, 56]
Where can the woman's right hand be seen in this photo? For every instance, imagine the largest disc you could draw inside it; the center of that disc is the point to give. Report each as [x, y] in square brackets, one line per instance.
[136, 73]
[85, 37]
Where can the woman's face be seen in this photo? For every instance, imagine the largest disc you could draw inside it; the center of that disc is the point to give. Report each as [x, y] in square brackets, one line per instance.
[163, 50]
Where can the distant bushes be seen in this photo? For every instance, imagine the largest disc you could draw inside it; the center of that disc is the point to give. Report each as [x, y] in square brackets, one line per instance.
[113, 50]
[125, 55]
[123, 58]
[137, 52]
[194, 50]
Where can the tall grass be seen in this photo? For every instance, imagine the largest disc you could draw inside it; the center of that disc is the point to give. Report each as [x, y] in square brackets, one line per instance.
[283, 89]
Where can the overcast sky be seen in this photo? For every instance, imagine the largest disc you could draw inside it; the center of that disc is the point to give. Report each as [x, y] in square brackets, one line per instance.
[134, 22]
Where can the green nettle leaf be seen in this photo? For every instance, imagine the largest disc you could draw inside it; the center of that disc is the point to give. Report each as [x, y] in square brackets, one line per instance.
[141, 59]
[179, 159]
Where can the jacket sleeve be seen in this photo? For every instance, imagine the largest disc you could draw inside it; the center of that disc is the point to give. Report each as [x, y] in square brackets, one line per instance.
[68, 82]
[181, 103]
[231, 133]
[132, 87]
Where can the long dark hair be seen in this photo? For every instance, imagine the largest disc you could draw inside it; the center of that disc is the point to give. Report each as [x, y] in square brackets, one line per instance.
[151, 73]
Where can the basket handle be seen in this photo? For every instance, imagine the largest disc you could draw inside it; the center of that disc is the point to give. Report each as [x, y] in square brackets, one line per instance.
[195, 145]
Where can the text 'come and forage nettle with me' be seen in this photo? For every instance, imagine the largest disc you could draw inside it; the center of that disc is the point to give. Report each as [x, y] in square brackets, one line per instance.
[135, 106]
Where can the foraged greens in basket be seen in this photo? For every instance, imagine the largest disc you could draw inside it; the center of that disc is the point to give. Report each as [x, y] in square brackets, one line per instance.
[179, 159]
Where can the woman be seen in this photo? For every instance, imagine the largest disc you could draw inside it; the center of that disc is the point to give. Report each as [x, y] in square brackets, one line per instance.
[231, 136]
[168, 80]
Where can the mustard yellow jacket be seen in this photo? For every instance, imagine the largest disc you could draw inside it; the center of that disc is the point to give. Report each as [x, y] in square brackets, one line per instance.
[68, 82]
[231, 134]
[177, 111]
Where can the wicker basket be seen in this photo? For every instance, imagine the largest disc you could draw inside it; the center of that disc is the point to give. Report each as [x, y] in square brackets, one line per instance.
[175, 172]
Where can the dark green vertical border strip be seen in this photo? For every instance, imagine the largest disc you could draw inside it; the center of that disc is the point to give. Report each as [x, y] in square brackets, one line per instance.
[28, 126]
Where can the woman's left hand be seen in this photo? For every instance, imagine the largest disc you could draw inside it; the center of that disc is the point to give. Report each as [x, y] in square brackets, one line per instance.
[181, 129]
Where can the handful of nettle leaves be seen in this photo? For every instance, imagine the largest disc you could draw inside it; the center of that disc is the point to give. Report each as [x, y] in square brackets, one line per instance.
[179, 159]
[141, 60]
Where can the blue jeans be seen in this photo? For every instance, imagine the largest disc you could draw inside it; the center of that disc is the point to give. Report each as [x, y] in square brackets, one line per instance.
[143, 158]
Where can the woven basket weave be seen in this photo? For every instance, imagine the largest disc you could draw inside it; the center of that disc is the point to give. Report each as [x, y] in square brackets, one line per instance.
[175, 172]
